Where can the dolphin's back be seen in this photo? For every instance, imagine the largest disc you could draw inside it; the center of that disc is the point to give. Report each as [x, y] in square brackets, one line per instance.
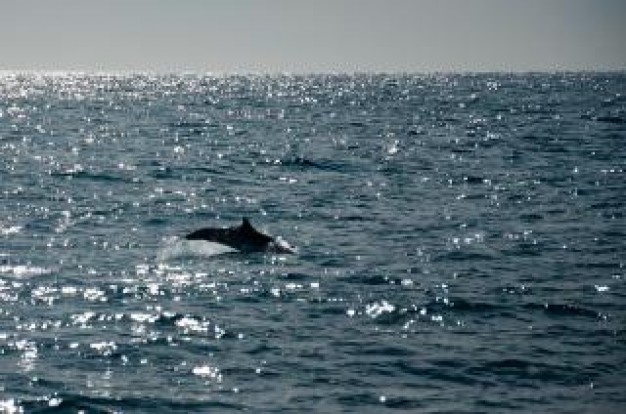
[244, 237]
[209, 234]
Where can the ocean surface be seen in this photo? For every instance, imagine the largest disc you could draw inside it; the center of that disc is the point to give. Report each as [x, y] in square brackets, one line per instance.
[461, 239]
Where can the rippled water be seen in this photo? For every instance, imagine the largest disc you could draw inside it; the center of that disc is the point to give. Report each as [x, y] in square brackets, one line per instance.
[461, 237]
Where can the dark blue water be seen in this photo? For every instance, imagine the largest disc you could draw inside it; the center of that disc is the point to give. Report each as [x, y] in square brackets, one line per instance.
[461, 237]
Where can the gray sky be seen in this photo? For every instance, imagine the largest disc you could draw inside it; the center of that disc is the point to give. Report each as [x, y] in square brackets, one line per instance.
[312, 35]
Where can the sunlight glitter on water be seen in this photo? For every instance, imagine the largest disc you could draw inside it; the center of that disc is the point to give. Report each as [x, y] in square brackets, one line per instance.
[430, 211]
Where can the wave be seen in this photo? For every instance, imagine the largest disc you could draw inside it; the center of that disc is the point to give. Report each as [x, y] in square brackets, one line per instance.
[66, 402]
[560, 309]
[22, 270]
[94, 176]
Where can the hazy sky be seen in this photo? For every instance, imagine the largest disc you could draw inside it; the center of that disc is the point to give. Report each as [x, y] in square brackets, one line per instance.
[312, 35]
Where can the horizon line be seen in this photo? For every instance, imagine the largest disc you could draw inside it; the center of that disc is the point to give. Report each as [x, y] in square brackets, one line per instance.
[126, 72]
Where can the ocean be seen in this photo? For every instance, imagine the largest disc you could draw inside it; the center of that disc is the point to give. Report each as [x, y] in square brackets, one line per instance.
[461, 243]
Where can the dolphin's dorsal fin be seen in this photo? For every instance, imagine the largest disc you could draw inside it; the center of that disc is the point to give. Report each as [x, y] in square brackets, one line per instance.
[252, 233]
[245, 224]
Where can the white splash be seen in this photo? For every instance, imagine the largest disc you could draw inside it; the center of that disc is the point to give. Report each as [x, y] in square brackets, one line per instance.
[282, 246]
[177, 248]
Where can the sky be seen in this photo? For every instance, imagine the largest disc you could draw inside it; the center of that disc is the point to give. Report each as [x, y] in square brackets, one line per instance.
[312, 36]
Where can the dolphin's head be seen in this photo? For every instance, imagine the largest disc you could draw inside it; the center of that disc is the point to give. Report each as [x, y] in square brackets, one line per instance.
[280, 245]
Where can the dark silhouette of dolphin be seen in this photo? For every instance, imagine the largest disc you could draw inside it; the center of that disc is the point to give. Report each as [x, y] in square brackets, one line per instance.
[243, 238]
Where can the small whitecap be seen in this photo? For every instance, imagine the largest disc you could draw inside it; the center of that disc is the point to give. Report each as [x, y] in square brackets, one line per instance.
[393, 148]
[82, 318]
[126, 167]
[376, 309]
[292, 286]
[208, 372]
[153, 288]
[55, 401]
[6, 231]
[601, 288]
[69, 290]
[186, 321]
[190, 324]
[10, 407]
[105, 347]
[94, 294]
[23, 271]
[143, 317]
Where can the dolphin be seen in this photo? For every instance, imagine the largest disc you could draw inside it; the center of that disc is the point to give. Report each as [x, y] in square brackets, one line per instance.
[243, 238]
